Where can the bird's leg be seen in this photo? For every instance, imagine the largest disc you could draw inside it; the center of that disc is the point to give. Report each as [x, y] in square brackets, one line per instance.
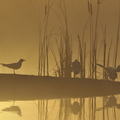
[14, 71]
[74, 75]
[13, 103]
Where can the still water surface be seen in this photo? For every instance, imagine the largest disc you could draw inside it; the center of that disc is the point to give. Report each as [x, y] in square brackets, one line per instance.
[61, 109]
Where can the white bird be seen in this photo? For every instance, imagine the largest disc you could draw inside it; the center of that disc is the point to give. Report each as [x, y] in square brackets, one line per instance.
[111, 72]
[14, 66]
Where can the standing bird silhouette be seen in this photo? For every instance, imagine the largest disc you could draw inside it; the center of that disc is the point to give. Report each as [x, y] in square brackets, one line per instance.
[76, 67]
[14, 66]
[111, 72]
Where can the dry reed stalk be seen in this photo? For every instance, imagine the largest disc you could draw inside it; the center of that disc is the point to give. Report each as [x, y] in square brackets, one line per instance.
[61, 111]
[104, 64]
[61, 56]
[90, 56]
[117, 44]
[64, 50]
[93, 54]
[81, 55]
[109, 51]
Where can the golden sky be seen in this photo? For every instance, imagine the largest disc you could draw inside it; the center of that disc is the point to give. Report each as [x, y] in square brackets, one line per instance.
[19, 33]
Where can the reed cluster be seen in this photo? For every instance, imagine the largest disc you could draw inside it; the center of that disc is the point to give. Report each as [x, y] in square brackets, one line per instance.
[88, 54]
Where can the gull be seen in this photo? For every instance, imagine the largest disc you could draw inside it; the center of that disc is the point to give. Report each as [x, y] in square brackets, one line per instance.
[111, 72]
[14, 66]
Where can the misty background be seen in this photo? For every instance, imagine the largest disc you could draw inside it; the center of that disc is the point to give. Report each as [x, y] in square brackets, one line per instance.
[19, 34]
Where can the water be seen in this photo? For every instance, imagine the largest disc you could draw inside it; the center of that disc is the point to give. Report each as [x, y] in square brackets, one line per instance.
[49, 98]
[60, 109]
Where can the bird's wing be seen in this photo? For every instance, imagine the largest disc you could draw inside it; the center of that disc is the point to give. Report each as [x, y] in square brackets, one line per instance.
[12, 65]
[98, 109]
[101, 66]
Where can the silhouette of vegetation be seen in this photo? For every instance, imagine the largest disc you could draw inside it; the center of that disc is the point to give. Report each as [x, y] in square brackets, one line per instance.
[64, 85]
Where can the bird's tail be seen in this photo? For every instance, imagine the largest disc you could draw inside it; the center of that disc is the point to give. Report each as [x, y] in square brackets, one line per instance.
[101, 66]
[3, 64]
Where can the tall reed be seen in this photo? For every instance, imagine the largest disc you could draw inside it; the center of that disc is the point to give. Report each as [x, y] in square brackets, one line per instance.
[64, 47]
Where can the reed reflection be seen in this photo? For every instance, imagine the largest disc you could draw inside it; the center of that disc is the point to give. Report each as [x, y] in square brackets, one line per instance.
[79, 108]
[87, 108]
[76, 96]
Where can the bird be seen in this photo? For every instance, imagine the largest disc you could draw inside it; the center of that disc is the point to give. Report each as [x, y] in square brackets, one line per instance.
[14, 66]
[75, 108]
[15, 109]
[111, 72]
[76, 67]
[111, 102]
[118, 68]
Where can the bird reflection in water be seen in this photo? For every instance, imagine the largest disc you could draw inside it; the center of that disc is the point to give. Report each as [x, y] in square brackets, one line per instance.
[111, 102]
[75, 108]
[13, 108]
